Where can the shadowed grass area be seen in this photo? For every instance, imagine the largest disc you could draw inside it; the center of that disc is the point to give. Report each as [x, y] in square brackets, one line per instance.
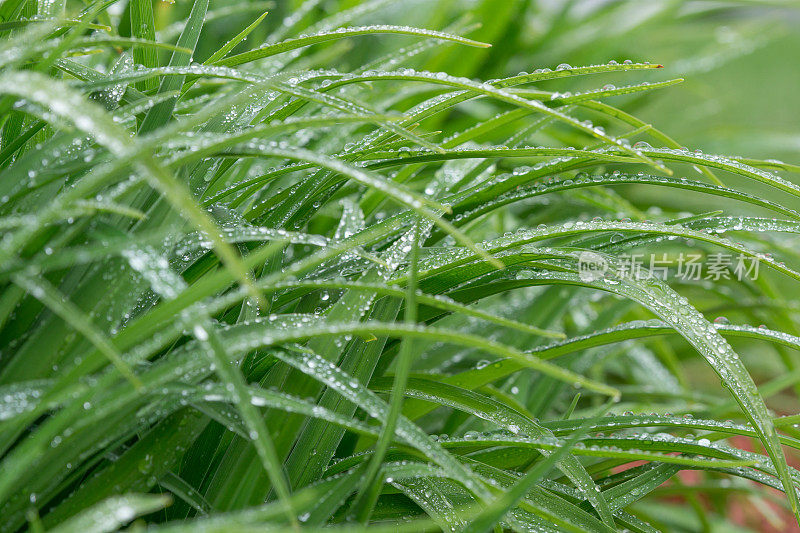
[398, 265]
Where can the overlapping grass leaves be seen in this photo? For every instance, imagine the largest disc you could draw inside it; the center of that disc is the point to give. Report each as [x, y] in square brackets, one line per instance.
[270, 287]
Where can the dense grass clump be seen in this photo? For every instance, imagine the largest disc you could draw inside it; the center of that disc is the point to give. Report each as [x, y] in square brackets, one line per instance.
[317, 267]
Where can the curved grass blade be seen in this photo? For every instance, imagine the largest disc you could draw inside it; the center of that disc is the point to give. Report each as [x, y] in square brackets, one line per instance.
[56, 302]
[340, 33]
[113, 513]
